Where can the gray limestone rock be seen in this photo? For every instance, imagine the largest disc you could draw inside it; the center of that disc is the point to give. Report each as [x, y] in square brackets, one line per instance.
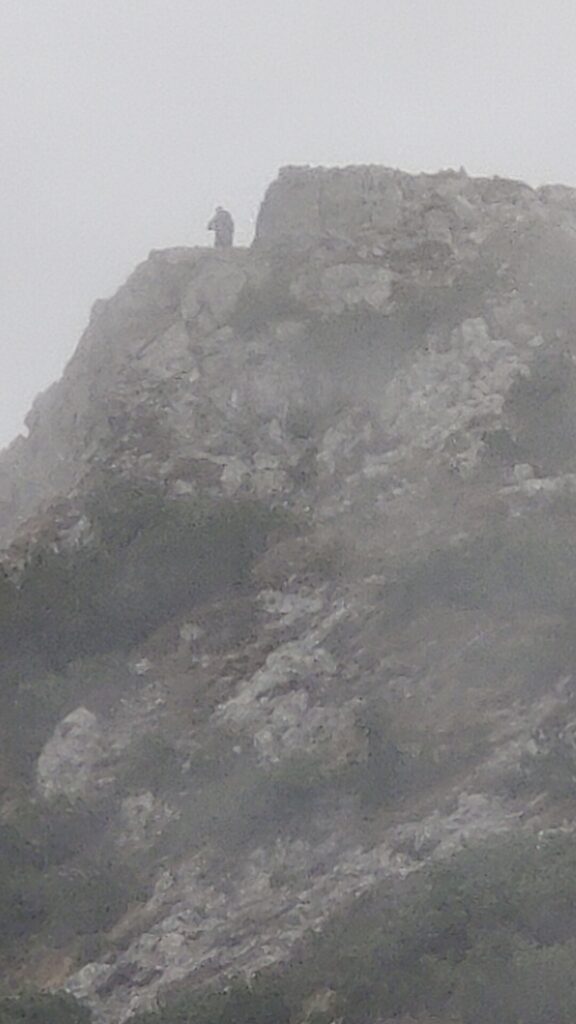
[143, 817]
[307, 203]
[213, 294]
[346, 287]
[66, 765]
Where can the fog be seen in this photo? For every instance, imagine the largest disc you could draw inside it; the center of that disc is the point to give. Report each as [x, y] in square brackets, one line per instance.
[126, 122]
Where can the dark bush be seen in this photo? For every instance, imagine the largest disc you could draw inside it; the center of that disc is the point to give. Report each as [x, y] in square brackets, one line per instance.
[259, 1002]
[89, 898]
[58, 878]
[509, 980]
[488, 935]
[151, 557]
[43, 1008]
[152, 764]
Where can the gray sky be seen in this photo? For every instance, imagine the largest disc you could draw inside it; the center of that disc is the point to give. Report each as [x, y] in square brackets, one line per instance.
[127, 120]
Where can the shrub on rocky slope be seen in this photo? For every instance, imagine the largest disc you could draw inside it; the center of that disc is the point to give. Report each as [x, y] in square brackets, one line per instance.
[491, 934]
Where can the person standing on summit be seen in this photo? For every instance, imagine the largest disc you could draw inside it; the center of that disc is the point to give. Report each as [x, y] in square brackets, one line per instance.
[223, 227]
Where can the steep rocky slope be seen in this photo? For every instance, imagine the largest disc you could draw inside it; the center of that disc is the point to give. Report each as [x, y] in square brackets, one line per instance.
[290, 578]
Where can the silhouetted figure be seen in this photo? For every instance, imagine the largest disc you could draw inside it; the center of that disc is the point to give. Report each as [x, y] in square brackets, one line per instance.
[223, 227]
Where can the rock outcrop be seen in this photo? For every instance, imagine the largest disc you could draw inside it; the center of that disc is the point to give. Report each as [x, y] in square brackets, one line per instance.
[67, 762]
[364, 284]
[390, 366]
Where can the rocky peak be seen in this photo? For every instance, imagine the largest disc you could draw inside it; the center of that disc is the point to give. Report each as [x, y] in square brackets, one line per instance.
[293, 571]
[205, 358]
[358, 278]
[379, 204]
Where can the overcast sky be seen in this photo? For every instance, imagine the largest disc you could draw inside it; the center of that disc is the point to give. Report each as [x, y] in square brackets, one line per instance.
[124, 122]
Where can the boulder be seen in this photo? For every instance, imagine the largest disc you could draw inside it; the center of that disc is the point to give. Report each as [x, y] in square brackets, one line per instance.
[66, 764]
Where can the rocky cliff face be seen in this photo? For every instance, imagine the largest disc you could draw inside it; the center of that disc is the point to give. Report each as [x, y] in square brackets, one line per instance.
[364, 288]
[389, 372]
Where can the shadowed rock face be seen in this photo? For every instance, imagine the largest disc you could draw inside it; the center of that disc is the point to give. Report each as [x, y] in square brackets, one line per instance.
[391, 363]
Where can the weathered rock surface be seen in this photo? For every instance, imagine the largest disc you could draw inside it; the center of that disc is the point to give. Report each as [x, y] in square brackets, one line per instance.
[210, 359]
[67, 762]
[393, 364]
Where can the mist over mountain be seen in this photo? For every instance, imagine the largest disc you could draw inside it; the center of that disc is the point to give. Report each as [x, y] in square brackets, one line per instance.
[288, 609]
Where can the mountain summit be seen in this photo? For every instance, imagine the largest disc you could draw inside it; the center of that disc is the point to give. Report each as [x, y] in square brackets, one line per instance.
[288, 607]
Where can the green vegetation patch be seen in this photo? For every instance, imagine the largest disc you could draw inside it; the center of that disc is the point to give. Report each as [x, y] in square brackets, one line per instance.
[259, 1002]
[150, 558]
[153, 764]
[43, 1008]
[60, 877]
